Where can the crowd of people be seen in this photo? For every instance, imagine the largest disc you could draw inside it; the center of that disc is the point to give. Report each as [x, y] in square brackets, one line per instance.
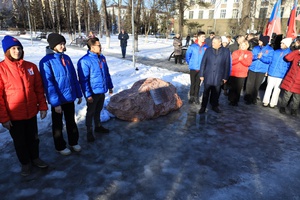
[25, 91]
[242, 65]
[218, 62]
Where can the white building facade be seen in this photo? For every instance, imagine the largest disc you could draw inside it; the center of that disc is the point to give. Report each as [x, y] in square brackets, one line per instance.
[224, 16]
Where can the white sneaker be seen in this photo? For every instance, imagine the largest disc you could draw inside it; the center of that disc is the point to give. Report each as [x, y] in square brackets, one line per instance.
[265, 104]
[65, 152]
[76, 147]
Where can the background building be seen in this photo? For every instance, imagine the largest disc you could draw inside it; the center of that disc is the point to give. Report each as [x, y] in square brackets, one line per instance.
[224, 16]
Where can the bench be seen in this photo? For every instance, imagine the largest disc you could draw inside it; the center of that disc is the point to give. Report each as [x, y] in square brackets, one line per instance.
[41, 36]
[79, 41]
[183, 54]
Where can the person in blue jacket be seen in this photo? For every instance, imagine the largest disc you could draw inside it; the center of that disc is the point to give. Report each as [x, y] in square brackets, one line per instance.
[276, 73]
[193, 58]
[214, 72]
[261, 60]
[62, 88]
[95, 81]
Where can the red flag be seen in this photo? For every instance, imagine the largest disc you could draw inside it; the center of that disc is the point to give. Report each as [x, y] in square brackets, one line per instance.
[274, 24]
[291, 29]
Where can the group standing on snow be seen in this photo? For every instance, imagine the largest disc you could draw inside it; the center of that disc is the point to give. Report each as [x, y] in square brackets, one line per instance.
[24, 90]
[242, 66]
[214, 61]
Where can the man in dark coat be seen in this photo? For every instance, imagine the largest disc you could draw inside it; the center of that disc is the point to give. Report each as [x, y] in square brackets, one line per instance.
[208, 40]
[123, 37]
[214, 71]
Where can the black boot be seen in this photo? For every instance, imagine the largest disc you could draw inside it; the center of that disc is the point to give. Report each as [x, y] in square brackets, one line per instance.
[197, 101]
[282, 110]
[89, 136]
[294, 112]
[202, 110]
[191, 100]
[101, 129]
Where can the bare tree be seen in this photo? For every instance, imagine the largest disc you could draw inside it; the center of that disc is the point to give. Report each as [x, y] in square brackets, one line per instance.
[245, 20]
[105, 16]
[79, 12]
[119, 15]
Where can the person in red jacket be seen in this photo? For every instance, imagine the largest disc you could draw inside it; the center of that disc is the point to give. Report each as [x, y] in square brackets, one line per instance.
[291, 84]
[21, 98]
[241, 60]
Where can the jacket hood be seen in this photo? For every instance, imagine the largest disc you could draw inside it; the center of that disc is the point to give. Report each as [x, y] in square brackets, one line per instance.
[51, 51]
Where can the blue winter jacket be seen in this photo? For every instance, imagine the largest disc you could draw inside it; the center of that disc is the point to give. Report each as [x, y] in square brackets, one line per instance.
[93, 74]
[261, 65]
[194, 55]
[279, 65]
[59, 78]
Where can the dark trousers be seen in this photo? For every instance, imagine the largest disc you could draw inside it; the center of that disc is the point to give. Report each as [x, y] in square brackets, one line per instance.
[235, 87]
[211, 93]
[57, 126]
[286, 98]
[178, 58]
[94, 110]
[195, 83]
[254, 80]
[25, 137]
[123, 51]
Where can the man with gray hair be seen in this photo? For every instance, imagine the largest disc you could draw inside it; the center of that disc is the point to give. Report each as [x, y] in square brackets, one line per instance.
[214, 72]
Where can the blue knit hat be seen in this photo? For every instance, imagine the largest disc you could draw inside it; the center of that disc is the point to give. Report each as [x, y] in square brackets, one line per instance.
[9, 41]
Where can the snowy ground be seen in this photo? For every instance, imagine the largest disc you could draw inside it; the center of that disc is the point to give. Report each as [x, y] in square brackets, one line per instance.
[246, 152]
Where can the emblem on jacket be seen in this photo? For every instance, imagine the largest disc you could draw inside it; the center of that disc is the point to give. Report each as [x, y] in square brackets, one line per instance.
[30, 71]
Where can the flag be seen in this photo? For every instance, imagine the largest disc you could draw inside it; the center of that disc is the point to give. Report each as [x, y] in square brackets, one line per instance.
[274, 24]
[291, 26]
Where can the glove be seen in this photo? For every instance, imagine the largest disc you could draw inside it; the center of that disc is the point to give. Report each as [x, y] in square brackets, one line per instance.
[43, 114]
[7, 125]
[79, 100]
[58, 109]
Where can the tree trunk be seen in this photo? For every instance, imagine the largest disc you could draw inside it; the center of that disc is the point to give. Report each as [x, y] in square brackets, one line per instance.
[107, 33]
[137, 23]
[245, 17]
[119, 16]
[78, 12]
[42, 15]
[180, 17]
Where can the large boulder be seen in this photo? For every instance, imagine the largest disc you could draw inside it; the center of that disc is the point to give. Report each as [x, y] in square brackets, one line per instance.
[146, 99]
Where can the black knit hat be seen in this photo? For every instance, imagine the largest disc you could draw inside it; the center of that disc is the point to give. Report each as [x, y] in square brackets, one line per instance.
[264, 39]
[55, 39]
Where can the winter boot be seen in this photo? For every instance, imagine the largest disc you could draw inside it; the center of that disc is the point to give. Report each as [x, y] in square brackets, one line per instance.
[26, 170]
[293, 112]
[191, 100]
[101, 129]
[282, 110]
[197, 100]
[90, 137]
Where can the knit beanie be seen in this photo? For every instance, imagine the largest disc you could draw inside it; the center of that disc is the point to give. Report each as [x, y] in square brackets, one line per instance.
[264, 39]
[9, 41]
[287, 41]
[55, 39]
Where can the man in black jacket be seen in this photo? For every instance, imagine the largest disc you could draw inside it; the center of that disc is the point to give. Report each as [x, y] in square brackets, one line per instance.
[214, 71]
[123, 37]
